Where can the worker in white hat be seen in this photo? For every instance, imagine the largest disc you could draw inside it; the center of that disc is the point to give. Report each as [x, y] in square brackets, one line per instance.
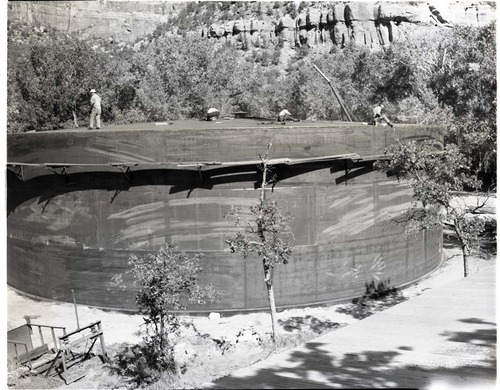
[95, 104]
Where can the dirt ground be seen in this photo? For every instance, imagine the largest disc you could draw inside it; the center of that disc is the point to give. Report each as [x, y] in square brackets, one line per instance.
[211, 348]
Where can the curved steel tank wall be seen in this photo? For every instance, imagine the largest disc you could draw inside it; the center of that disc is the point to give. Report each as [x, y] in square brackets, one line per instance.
[74, 226]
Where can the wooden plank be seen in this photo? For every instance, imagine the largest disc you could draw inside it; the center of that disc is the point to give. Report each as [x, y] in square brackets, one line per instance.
[285, 160]
[34, 353]
[67, 335]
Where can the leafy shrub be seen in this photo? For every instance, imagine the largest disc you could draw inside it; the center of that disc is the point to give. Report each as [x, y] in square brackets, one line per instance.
[139, 362]
[132, 115]
[166, 281]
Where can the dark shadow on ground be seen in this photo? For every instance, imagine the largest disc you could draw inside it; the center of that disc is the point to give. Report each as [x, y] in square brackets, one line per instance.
[312, 366]
[486, 336]
[378, 296]
[308, 322]
[481, 337]
[478, 321]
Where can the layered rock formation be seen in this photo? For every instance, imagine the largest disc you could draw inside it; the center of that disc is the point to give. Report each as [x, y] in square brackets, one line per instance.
[375, 24]
[125, 21]
[325, 23]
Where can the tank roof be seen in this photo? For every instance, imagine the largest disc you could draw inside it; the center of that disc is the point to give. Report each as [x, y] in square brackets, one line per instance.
[233, 123]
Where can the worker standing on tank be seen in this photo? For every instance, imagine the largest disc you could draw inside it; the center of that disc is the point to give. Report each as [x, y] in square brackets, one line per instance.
[95, 113]
[378, 117]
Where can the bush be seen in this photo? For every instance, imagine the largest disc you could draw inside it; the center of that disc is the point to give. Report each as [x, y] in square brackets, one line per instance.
[133, 115]
[166, 281]
[142, 363]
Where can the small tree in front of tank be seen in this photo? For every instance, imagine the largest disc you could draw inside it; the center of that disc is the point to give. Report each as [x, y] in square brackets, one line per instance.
[166, 281]
[437, 178]
[264, 235]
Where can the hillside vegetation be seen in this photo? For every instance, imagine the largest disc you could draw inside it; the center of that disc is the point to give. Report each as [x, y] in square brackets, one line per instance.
[447, 78]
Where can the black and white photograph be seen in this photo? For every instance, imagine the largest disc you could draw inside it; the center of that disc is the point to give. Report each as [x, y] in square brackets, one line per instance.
[250, 194]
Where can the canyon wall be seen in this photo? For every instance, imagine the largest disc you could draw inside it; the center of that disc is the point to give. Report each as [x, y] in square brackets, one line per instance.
[120, 20]
[375, 24]
[326, 23]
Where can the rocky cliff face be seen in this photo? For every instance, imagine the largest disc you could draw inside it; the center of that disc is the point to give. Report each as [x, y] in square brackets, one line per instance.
[125, 21]
[374, 24]
[326, 23]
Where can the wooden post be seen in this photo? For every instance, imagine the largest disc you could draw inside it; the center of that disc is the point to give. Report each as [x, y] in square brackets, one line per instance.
[64, 363]
[41, 334]
[76, 311]
[54, 338]
[101, 339]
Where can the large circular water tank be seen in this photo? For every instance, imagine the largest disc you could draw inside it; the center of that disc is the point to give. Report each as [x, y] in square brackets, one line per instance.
[80, 203]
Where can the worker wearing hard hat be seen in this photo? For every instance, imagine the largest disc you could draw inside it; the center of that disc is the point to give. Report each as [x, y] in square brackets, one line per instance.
[95, 113]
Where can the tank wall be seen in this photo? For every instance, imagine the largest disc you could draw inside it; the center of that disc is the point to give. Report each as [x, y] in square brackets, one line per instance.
[77, 232]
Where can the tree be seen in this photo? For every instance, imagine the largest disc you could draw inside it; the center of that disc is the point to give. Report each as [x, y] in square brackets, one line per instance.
[462, 74]
[264, 236]
[166, 281]
[436, 178]
[182, 78]
[52, 80]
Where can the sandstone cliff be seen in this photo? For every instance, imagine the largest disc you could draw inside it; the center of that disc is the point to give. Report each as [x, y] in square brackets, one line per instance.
[122, 20]
[366, 23]
[315, 24]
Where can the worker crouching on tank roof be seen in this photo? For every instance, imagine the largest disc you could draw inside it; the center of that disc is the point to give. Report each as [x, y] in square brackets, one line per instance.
[378, 117]
[213, 114]
[285, 115]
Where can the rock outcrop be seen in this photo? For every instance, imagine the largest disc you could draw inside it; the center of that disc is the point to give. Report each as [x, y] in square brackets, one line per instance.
[375, 24]
[325, 23]
[124, 21]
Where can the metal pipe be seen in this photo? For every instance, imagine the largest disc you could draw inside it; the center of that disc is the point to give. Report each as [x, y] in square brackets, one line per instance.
[337, 95]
